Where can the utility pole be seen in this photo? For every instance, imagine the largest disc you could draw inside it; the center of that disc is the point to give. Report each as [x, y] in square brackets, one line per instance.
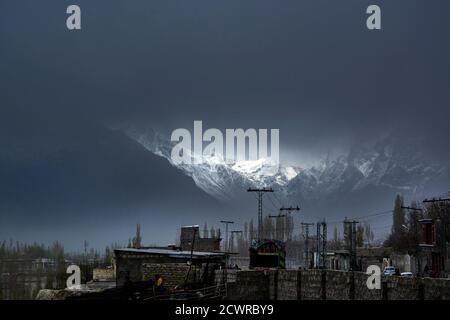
[191, 257]
[260, 192]
[354, 244]
[226, 232]
[350, 229]
[306, 252]
[290, 209]
[321, 245]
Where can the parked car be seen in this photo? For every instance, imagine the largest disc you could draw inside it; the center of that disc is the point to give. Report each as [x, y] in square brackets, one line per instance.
[389, 271]
[407, 274]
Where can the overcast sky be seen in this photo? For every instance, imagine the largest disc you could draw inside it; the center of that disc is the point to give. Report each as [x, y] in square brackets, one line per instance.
[308, 67]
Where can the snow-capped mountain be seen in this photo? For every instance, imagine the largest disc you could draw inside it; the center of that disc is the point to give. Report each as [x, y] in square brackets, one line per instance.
[368, 176]
[222, 180]
[388, 163]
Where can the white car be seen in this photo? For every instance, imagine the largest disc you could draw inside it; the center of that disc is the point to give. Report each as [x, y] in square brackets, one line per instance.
[389, 271]
[407, 274]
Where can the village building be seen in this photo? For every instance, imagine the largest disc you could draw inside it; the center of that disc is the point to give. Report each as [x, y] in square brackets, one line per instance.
[176, 267]
[190, 239]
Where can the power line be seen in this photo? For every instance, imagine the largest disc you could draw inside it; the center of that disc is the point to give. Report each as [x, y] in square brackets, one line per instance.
[434, 200]
[373, 214]
[290, 209]
[412, 209]
[276, 198]
[361, 218]
[271, 201]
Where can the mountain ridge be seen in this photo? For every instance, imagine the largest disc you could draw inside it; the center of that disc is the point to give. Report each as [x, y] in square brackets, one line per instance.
[365, 179]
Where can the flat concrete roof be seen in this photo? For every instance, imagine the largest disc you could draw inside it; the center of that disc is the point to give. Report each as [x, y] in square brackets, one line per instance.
[173, 253]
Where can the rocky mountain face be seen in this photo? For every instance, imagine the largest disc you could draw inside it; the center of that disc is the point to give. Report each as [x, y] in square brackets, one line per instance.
[222, 180]
[364, 180]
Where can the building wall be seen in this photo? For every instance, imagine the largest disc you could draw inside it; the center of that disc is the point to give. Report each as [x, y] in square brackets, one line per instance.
[200, 244]
[128, 265]
[141, 267]
[174, 274]
[131, 264]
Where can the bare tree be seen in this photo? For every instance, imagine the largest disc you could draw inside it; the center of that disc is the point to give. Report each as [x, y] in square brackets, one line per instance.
[205, 230]
[137, 239]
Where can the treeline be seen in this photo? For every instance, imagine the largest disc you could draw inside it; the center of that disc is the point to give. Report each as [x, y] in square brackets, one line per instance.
[15, 250]
[364, 236]
[19, 250]
[405, 235]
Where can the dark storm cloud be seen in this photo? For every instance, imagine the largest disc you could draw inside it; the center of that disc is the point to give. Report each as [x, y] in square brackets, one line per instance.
[292, 64]
[310, 68]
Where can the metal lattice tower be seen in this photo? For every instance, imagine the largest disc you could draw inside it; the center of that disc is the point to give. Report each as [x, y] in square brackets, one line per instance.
[350, 229]
[260, 193]
[321, 244]
[306, 251]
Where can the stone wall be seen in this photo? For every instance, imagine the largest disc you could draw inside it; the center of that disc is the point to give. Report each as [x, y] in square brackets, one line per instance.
[339, 285]
[132, 265]
[287, 284]
[311, 285]
[331, 285]
[361, 291]
[103, 274]
[398, 288]
[436, 289]
[128, 265]
[250, 285]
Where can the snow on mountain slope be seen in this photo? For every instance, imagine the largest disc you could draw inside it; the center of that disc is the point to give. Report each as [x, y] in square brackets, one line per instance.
[216, 177]
[390, 165]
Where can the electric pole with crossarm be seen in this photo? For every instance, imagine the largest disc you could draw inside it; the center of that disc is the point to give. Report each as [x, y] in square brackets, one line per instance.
[260, 192]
